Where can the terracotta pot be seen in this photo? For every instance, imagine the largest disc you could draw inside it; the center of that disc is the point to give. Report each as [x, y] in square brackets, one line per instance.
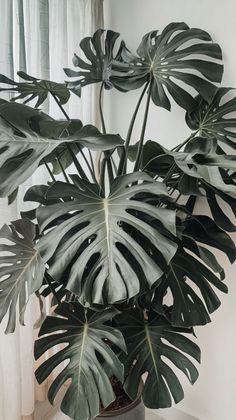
[133, 411]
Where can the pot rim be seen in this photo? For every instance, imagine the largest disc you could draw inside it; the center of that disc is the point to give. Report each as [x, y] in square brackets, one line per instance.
[125, 409]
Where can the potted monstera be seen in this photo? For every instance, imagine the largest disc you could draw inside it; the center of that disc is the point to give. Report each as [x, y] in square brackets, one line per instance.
[125, 260]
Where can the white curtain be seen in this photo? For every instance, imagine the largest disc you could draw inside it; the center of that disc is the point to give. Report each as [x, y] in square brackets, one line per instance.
[39, 37]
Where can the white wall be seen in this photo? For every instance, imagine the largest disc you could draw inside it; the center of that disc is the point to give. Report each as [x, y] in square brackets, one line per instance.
[213, 396]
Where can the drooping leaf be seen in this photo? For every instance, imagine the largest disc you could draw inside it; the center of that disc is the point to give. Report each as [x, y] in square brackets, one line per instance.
[206, 231]
[219, 211]
[22, 149]
[215, 119]
[170, 61]
[36, 194]
[200, 171]
[190, 282]
[103, 240]
[151, 345]
[21, 270]
[34, 88]
[99, 57]
[200, 160]
[87, 339]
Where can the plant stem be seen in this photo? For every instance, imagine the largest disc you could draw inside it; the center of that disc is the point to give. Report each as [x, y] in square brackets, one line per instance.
[107, 158]
[177, 148]
[60, 106]
[170, 172]
[49, 170]
[73, 156]
[91, 162]
[140, 146]
[114, 165]
[125, 149]
[102, 177]
[63, 171]
[101, 111]
[92, 172]
[49, 283]
[76, 163]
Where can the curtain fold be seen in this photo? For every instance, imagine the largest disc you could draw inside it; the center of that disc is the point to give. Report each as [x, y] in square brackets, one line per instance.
[39, 37]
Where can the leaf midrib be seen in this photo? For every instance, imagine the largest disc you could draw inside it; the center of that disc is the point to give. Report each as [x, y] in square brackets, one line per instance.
[85, 332]
[149, 342]
[35, 255]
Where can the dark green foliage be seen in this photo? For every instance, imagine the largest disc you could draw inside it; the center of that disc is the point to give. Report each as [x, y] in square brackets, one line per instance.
[21, 270]
[151, 344]
[34, 88]
[108, 239]
[87, 339]
[167, 59]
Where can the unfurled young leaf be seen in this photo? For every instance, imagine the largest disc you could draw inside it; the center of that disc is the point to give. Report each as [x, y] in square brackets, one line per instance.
[87, 341]
[21, 270]
[153, 345]
[171, 63]
[33, 88]
[103, 243]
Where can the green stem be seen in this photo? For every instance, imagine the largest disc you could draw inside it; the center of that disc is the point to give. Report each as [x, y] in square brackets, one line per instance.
[60, 106]
[170, 173]
[91, 162]
[76, 163]
[177, 148]
[100, 110]
[102, 178]
[114, 165]
[49, 170]
[107, 158]
[87, 163]
[125, 149]
[63, 171]
[73, 156]
[140, 146]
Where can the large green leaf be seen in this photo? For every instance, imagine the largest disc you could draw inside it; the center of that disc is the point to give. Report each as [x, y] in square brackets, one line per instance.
[104, 242]
[99, 55]
[87, 339]
[215, 119]
[172, 64]
[21, 270]
[34, 88]
[22, 148]
[151, 345]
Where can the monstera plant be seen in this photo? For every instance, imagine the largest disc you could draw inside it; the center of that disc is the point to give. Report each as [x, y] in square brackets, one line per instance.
[113, 241]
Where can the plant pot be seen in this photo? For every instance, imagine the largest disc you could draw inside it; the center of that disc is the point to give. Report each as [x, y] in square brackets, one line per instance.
[134, 411]
[131, 412]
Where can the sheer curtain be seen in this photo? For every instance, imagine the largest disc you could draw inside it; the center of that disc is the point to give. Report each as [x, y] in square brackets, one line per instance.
[39, 37]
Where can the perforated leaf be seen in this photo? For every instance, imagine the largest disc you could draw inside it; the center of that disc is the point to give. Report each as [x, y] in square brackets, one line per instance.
[103, 243]
[21, 270]
[151, 345]
[171, 62]
[87, 339]
[216, 119]
[99, 57]
[34, 88]
[22, 149]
